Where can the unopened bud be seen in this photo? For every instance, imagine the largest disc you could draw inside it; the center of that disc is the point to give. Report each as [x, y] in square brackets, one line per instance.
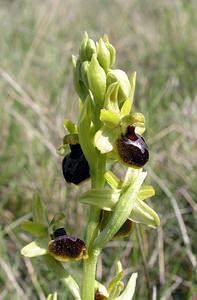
[103, 55]
[97, 80]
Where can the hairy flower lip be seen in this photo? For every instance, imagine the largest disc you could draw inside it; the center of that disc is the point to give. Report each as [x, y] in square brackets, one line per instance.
[67, 248]
[132, 149]
[75, 167]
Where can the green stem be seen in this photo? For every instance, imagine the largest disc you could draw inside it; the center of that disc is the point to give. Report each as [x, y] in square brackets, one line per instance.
[89, 268]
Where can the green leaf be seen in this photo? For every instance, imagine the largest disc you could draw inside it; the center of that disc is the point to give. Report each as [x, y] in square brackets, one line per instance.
[105, 138]
[144, 214]
[110, 118]
[38, 211]
[35, 248]
[35, 228]
[130, 288]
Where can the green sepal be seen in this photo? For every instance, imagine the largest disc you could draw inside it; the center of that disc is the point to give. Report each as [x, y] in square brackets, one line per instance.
[129, 289]
[122, 78]
[35, 228]
[146, 191]
[109, 118]
[103, 55]
[70, 126]
[52, 296]
[144, 214]
[113, 181]
[107, 199]
[96, 80]
[102, 198]
[35, 248]
[105, 138]
[39, 211]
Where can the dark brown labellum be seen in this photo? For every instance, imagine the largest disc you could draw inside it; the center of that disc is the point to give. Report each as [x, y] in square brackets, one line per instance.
[66, 248]
[133, 149]
[75, 166]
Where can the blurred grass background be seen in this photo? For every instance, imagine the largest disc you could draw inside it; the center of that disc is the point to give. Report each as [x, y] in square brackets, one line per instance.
[158, 40]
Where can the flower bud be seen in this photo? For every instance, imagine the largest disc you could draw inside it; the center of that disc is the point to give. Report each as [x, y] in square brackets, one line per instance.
[84, 70]
[124, 83]
[111, 50]
[66, 248]
[97, 80]
[82, 51]
[78, 84]
[90, 49]
[132, 149]
[103, 55]
[75, 166]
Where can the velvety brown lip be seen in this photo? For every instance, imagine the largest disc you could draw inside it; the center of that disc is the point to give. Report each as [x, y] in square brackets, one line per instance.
[133, 149]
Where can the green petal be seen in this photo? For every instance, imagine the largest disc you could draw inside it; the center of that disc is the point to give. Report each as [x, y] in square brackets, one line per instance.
[112, 180]
[122, 78]
[35, 248]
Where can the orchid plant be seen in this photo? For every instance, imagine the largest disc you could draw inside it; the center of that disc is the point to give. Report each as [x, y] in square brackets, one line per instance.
[107, 132]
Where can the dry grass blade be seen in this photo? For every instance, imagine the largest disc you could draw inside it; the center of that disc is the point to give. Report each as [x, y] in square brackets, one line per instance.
[178, 215]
